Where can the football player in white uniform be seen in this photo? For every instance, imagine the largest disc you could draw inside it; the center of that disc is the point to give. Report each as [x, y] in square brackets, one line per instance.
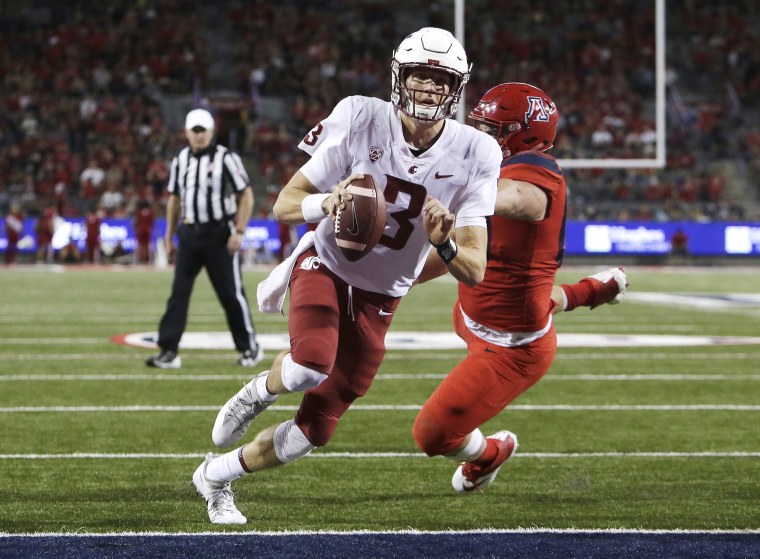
[437, 176]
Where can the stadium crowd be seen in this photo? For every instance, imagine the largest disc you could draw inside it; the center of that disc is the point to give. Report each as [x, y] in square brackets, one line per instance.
[85, 87]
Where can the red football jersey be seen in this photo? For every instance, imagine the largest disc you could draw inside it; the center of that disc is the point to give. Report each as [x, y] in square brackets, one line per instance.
[524, 256]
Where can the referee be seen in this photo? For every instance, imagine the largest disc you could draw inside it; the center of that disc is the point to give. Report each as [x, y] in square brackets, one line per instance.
[211, 200]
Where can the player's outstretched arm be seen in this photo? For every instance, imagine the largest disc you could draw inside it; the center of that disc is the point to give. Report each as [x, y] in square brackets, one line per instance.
[603, 288]
[520, 200]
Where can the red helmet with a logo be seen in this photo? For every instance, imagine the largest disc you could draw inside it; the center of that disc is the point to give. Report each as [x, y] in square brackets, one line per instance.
[520, 116]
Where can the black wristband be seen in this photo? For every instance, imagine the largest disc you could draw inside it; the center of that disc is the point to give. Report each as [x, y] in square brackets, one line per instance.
[447, 250]
[240, 232]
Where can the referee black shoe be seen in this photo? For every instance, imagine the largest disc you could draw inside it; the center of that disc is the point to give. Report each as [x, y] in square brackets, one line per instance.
[250, 359]
[167, 359]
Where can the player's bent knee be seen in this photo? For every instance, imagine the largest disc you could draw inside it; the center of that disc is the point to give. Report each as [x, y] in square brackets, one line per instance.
[431, 438]
[290, 443]
[297, 378]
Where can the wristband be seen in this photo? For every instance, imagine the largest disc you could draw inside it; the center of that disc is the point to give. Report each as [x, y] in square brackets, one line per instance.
[311, 207]
[240, 232]
[447, 250]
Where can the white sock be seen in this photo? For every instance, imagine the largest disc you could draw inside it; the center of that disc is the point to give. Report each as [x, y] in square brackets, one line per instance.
[261, 388]
[226, 467]
[471, 450]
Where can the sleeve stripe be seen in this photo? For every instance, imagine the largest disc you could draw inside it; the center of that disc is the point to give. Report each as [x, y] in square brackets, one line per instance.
[534, 158]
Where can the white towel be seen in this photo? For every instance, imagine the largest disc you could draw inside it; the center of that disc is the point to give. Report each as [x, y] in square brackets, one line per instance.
[270, 292]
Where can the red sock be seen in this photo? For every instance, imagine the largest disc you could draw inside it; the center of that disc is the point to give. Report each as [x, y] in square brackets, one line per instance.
[579, 294]
[492, 449]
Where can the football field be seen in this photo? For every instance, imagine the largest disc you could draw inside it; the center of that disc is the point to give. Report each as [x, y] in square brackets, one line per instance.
[648, 420]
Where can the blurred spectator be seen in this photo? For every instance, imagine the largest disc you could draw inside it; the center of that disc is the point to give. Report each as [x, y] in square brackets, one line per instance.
[70, 253]
[112, 200]
[44, 229]
[143, 223]
[679, 244]
[93, 220]
[91, 180]
[14, 229]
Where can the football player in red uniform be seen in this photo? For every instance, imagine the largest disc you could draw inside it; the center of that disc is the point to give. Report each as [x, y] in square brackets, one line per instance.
[506, 320]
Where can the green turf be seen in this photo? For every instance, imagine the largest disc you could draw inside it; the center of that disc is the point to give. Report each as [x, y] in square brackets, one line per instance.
[60, 323]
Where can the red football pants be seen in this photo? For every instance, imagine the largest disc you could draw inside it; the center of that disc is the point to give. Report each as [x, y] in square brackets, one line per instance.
[337, 331]
[479, 388]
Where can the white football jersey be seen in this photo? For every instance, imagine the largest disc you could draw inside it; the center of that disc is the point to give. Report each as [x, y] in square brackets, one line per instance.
[364, 135]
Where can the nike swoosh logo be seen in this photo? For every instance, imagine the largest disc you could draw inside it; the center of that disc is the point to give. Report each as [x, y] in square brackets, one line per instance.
[354, 229]
[440, 176]
[385, 313]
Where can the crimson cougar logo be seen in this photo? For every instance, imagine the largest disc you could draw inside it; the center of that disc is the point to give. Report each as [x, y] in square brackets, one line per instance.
[311, 263]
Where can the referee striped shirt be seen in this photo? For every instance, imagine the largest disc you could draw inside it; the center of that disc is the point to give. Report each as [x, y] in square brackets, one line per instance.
[207, 183]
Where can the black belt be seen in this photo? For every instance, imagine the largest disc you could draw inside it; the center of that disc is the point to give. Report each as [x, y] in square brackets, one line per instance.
[209, 226]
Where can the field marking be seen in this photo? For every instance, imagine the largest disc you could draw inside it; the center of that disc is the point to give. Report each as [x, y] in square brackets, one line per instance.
[707, 377]
[447, 340]
[411, 532]
[367, 455]
[389, 407]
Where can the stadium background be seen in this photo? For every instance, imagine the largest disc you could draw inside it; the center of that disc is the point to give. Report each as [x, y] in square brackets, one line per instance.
[105, 86]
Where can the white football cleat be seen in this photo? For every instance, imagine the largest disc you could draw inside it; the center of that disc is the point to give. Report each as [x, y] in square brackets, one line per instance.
[236, 415]
[220, 499]
[470, 477]
[611, 284]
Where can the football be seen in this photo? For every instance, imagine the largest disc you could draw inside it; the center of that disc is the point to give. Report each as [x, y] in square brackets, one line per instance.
[360, 224]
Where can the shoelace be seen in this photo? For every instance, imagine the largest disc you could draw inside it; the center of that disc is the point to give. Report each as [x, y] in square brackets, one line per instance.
[243, 406]
[223, 501]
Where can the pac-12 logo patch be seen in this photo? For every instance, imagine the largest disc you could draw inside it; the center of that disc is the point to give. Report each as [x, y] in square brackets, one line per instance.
[375, 153]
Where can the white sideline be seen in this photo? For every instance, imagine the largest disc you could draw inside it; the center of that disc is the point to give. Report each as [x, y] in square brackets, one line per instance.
[532, 530]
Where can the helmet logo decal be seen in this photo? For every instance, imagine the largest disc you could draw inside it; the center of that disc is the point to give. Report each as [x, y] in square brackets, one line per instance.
[375, 154]
[536, 110]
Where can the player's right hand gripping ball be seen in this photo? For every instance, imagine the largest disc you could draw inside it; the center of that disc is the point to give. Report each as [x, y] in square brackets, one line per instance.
[360, 224]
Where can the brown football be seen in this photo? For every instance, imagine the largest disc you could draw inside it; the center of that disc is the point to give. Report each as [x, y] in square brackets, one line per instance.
[360, 224]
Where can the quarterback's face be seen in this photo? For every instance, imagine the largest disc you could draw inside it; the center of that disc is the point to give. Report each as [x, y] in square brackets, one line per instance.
[428, 86]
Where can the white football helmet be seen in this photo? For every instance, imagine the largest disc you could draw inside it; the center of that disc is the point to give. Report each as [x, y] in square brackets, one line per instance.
[431, 48]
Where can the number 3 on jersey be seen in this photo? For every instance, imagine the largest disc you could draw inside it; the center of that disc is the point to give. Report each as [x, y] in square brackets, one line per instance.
[417, 195]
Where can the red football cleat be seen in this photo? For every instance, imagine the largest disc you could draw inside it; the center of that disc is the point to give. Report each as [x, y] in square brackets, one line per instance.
[471, 477]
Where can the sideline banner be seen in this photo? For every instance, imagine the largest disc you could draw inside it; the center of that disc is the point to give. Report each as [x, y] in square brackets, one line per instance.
[583, 238]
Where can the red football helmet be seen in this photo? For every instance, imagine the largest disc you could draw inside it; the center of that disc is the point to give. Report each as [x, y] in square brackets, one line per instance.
[520, 116]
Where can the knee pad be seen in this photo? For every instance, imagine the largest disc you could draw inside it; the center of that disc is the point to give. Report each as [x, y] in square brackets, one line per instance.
[290, 443]
[297, 378]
